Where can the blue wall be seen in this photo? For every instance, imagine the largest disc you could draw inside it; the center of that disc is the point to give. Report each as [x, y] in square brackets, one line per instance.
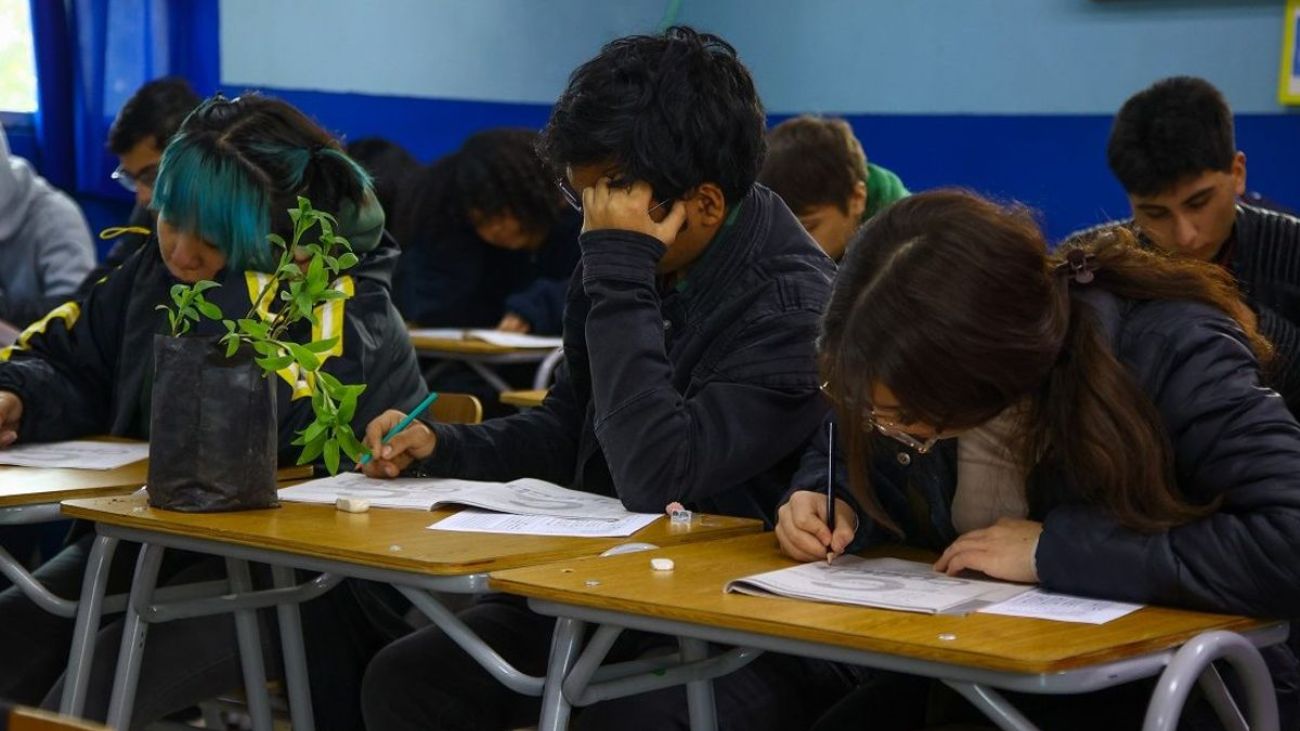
[1009, 97]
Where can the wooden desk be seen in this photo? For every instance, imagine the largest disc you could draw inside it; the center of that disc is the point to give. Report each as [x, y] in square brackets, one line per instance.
[480, 356]
[974, 653]
[25, 486]
[390, 546]
[525, 399]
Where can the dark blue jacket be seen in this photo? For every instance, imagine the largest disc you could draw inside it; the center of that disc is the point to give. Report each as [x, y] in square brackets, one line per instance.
[701, 393]
[1232, 439]
[455, 279]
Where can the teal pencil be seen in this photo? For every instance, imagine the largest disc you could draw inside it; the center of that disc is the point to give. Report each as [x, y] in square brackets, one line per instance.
[405, 422]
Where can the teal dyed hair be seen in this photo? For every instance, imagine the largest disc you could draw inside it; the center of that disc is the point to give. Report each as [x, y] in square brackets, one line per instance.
[236, 167]
[201, 191]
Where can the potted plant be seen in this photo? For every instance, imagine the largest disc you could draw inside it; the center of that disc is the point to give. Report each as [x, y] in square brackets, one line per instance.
[215, 449]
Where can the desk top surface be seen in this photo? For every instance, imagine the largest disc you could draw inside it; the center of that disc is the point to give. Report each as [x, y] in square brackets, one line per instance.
[693, 592]
[526, 399]
[385, 538]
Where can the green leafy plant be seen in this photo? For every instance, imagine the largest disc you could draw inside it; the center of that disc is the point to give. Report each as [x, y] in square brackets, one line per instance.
[303, 277]
[190, 303]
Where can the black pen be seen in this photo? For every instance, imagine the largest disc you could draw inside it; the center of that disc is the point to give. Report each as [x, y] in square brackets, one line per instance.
[830, 488]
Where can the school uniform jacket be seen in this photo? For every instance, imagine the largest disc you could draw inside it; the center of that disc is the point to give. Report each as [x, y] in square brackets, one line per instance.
[699, 393]
[1232, 439]
[87, 367]
[1264, 256]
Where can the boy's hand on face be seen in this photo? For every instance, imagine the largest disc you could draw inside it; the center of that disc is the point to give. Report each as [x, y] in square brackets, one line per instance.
[606, 207]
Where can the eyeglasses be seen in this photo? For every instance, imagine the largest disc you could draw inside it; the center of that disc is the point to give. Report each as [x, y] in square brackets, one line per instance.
[147, 177]
[574, 198]
[892, 431]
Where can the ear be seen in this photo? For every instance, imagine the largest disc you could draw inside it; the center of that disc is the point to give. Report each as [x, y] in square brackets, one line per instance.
[1239, 173]
[858, 200]
[710, 205]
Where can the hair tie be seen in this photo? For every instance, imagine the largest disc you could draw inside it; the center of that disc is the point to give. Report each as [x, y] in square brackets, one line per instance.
[1079, 265]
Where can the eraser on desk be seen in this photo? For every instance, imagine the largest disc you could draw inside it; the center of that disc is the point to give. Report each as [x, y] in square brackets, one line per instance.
[661, 564]
[352, 504]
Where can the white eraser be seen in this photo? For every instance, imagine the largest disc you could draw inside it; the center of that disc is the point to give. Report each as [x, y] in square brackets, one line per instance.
[352, 504]
[661, 564]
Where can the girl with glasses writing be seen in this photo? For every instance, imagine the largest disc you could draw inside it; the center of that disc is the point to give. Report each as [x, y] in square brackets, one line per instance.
[1092, 421]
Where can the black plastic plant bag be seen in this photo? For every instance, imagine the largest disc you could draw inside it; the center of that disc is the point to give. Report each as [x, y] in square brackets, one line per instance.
[212, 435]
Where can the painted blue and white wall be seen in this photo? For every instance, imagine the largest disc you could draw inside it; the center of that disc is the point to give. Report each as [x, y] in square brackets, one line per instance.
[1009, 97]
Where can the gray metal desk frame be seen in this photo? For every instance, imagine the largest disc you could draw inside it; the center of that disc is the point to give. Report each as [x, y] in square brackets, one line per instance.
[575, 676]
[148, 605]
[546, 359]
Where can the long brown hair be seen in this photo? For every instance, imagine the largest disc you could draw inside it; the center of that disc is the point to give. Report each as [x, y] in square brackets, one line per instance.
[955, 305]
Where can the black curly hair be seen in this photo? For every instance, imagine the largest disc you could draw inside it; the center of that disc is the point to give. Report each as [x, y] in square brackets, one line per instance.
[495, 171]
[674, 110]
[155, 111]
[1174, 129]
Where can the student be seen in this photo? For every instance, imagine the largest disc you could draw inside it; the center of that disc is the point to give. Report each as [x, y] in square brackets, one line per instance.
[138, 136]
[688, 372]
[818, 168]
[391, 168]
[225, 183]
[45, 244]
[1091, 422]
[489, 241]
[1172, 149]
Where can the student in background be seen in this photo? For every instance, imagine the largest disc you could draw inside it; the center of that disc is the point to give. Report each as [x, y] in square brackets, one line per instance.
[391, 168]
[138, 137]
[1090, 421]
[1173, 150]
[45, 244]
[89, 372]
[688, 373]
[489, 241]
[818, 168]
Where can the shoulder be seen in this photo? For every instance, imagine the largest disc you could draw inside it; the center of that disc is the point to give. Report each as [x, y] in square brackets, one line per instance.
[798, 271]
[1154, 337]
[1262, 226]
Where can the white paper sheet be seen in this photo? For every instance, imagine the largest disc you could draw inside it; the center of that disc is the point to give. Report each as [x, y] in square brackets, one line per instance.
[520, 497]
[1040, 604]
[480, 521]
[887, 583]
[78, 454]
[495, 337]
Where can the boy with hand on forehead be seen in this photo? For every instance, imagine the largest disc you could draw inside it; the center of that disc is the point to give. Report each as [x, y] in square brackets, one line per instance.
[688, 373]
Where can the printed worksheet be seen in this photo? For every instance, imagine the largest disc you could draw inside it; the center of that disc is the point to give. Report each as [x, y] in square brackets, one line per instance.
[520, 497]
[886, 583]
[78, 454]
[1040, 604]
[479, 521]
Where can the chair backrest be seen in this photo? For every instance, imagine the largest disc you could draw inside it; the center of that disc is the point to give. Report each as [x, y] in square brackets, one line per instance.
[31, 719]
[457, 408]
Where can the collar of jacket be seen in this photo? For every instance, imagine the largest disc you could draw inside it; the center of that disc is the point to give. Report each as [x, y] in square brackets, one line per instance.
[730, 252]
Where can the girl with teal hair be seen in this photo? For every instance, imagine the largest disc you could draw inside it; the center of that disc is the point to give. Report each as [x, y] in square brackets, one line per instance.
[227, 180]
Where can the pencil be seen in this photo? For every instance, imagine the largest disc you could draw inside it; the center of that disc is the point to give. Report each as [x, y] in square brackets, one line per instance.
[830, 488]
[405, 422]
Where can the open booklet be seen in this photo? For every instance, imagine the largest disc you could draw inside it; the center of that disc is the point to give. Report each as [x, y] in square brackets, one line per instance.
[525, 496]
[494, 337]
[76, 454]
[886, 583]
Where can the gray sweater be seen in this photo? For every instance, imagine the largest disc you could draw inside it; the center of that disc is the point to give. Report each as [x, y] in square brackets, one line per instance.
[45, 244]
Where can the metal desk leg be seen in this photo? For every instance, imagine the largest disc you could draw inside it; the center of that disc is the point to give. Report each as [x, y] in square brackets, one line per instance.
[699, 693]
[564, 649]
[296, 679]
[89, 610]
[250, 649]
[991, 703]
[133, 636]
[488, 375]
[1191, 661]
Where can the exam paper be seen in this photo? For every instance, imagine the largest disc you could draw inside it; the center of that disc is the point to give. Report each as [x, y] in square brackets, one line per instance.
[78, 454]
[1040, 604]
[479, 521]
[525, 496]
[886, 583]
